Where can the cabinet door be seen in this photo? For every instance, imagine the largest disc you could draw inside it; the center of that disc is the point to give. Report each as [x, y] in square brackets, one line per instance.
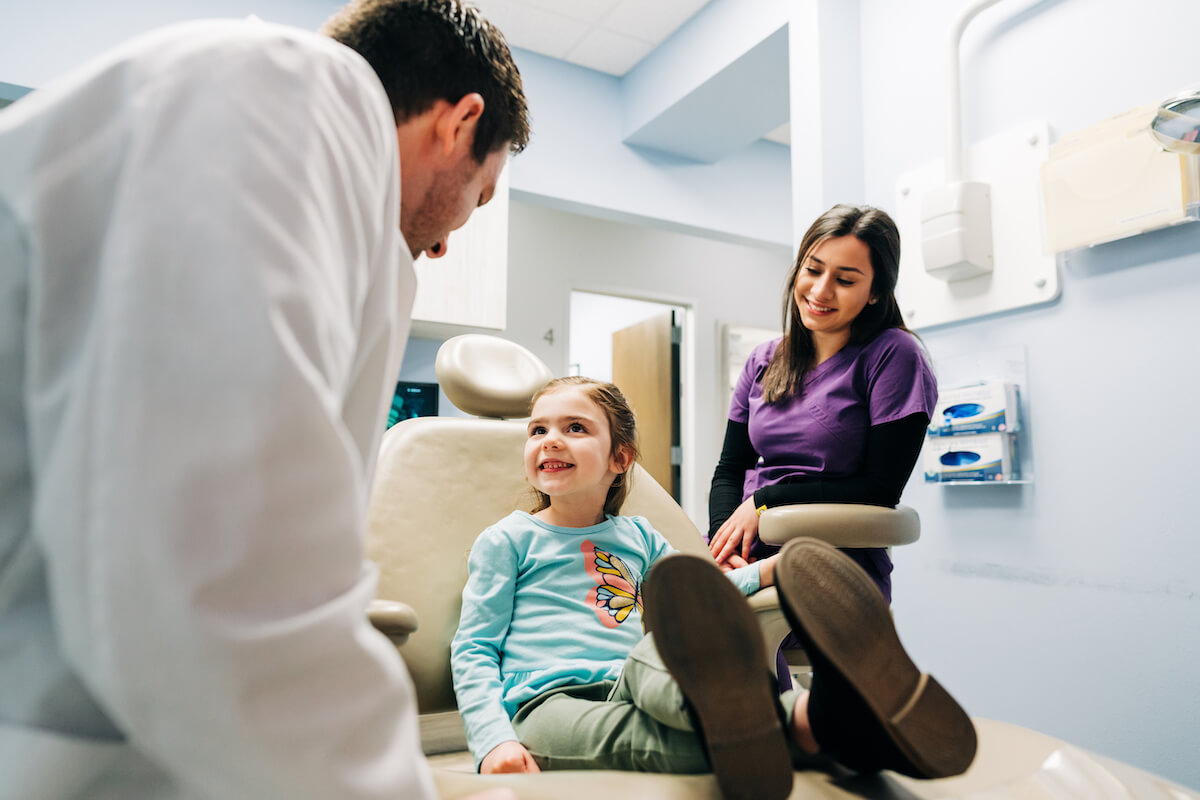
[469, 285]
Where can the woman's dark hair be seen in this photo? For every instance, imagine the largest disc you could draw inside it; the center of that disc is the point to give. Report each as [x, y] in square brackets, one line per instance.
[622, 428]
[429, 50]
[794, 355]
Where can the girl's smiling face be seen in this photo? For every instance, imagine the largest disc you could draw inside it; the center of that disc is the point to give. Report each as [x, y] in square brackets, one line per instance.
[568, 455]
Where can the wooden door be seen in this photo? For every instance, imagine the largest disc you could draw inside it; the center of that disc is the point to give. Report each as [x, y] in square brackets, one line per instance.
[645, 359]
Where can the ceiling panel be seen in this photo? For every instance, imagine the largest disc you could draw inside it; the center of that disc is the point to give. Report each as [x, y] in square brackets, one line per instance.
[589, 11]
[651, 21]
[531, 28]
[607, 35]
[609, 52]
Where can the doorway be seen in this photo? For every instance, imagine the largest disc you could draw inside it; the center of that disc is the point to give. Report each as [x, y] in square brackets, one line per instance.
[637, 344]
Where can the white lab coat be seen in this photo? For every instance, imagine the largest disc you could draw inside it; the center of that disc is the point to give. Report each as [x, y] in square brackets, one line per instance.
[204, 296]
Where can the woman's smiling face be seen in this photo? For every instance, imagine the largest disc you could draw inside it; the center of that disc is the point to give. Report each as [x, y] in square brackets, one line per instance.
[833, 286]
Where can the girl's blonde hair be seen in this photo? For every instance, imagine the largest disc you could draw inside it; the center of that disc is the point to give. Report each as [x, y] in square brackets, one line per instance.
[622, 427]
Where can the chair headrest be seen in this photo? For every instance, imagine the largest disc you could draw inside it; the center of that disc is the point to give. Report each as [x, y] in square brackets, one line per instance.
[488, 376]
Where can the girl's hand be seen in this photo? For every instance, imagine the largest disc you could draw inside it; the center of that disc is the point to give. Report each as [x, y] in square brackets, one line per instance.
[508, 757]
[737, 534]
[734, 561]
[766, 571]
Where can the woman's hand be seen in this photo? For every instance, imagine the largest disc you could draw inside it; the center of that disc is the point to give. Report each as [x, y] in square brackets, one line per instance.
[508, 757]
[737, 534]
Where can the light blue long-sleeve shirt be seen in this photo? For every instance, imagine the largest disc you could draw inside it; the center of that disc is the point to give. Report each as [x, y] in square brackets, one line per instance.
[546, 606]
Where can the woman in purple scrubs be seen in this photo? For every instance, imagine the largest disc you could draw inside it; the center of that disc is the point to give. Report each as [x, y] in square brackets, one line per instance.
[835, 410]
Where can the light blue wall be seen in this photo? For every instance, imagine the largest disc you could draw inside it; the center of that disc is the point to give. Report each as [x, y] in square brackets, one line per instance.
[718, 35]
[578, 161]
[41, 39]
[1071, 606]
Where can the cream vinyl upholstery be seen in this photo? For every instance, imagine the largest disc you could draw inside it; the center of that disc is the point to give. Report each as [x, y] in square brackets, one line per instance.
[842, 524]
[441, 480]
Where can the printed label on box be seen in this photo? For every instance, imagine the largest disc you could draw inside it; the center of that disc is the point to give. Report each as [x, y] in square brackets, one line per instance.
[982, 408]
[978, 457]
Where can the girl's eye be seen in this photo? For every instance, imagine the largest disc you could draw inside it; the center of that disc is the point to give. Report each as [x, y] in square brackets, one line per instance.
[576, 428]
[537, 430]
[844, 282]
[812, 270]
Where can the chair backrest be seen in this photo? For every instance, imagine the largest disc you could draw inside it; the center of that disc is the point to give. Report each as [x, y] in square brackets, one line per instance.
[439, 482]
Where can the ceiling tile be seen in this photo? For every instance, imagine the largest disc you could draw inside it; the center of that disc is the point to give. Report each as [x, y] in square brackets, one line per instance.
[531, 28]
[590, 11]
[650, 21]
[609, 52]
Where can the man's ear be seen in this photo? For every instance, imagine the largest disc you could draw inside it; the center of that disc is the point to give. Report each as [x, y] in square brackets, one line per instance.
[455, 127]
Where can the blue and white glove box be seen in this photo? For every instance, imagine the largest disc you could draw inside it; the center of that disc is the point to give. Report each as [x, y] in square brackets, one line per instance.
[979, 457]
[982, 408]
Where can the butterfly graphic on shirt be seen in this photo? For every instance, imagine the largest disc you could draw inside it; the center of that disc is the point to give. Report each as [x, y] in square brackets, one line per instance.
[618, 591]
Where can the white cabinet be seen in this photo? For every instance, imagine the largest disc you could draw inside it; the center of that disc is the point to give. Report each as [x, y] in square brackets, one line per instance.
[468, 287]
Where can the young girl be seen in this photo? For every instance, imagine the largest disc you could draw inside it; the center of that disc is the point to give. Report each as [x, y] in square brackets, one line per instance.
[550, 665]
[553, 603]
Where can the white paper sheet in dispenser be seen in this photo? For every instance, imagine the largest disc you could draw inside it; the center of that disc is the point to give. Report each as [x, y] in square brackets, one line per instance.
[981, 408]
[978, 458]
[1113, 180]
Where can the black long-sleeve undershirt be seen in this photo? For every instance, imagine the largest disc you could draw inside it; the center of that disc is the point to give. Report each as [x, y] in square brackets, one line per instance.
[888, 460]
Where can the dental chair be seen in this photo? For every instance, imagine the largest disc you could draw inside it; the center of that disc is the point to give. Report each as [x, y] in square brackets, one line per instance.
[441, 480]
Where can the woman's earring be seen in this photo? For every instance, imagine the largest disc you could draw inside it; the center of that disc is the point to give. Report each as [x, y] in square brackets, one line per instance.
[872, 300]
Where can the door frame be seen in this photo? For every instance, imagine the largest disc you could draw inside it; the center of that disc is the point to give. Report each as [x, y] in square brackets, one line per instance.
[689, 494]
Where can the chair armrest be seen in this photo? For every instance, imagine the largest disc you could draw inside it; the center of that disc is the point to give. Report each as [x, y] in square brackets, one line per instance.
[765, 605]
[841, 524]
[764, 599]
[394, 619]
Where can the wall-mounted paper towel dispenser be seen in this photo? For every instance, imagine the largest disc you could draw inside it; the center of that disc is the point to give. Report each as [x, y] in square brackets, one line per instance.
[1114, 180]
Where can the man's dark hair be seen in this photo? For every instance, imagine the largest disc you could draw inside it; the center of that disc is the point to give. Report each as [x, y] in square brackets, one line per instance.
[429, 50]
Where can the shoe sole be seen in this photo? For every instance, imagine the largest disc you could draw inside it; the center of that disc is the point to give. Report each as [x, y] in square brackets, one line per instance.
[709, 639]
[849, 623]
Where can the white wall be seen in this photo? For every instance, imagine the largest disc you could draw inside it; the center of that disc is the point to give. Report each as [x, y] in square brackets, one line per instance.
[1071, 606]
[595, 318]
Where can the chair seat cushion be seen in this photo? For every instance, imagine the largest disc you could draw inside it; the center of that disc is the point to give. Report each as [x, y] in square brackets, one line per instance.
[1013, 764]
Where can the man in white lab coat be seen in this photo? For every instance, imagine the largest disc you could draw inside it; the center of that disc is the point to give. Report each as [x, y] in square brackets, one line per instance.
[206, 243]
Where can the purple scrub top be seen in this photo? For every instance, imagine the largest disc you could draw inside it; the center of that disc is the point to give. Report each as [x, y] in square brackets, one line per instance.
[823, 431]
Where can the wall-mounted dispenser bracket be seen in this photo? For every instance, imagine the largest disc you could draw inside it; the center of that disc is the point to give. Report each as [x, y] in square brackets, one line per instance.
[956, 230]
[1023, 274]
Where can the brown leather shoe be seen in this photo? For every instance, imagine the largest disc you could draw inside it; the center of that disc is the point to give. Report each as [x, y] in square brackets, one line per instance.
[710, 641]
[870, 707]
